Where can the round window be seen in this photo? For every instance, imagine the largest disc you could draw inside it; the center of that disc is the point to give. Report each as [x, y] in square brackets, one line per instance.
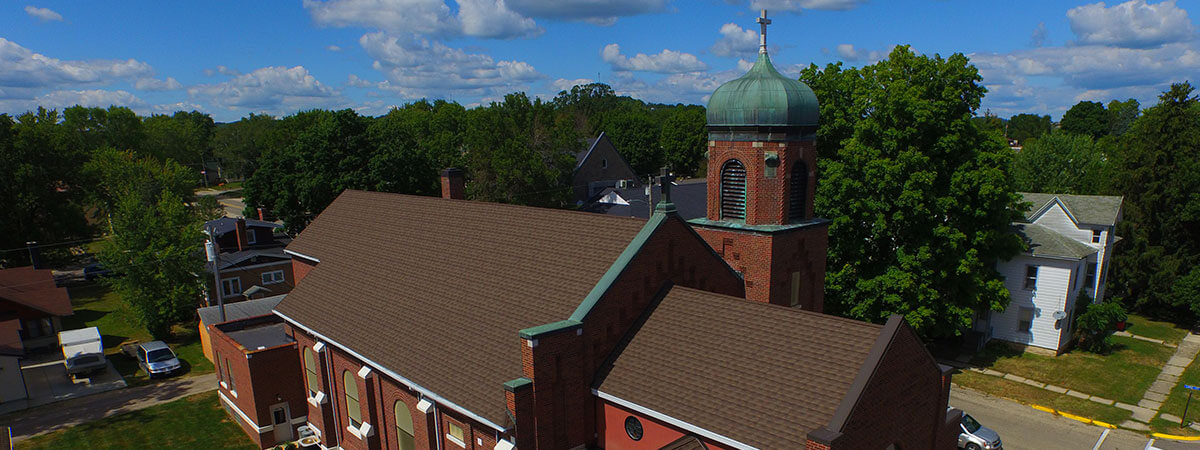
[633, 427]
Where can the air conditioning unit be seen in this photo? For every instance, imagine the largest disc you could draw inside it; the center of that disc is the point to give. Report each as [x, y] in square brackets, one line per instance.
[623, 184]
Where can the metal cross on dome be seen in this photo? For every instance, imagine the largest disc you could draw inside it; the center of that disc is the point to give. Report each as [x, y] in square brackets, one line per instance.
[763, 21]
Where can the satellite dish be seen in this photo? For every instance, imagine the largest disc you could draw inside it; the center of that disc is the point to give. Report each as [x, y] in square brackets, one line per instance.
[1060, 315]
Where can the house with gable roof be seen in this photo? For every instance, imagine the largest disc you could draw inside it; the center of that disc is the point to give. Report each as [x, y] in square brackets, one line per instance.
[1070, 242]
[426, 322]
[600, 166]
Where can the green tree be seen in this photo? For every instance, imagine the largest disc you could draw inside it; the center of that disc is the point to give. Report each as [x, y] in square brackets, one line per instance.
[519, 151]
[684, 140]
[636, 136]
[1096, 322]
[1086, 118]
[183, 137]
[921, 198]
[1157, 170]
[239, 145]
[1024, 127]
[412, 143]
[1121, 115]
[1061, 163]
[117, 174]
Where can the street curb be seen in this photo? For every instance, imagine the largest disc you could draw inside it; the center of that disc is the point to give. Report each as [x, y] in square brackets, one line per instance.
[1074, 417]
[1175, 437]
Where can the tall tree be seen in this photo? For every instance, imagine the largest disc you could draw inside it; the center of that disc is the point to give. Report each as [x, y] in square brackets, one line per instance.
[684, 139]
[1157, 170]
[1061, 163]
[239, 145]
[1024, 127]
[636, 136]
[1086, 118]
[519, 151]
[1121, 115]
[921, 199]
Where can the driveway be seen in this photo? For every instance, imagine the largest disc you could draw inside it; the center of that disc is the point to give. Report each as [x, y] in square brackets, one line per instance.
[47, 382]
[67, 413]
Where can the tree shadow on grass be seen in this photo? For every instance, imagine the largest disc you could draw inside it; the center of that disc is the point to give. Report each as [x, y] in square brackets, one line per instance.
[994, 351]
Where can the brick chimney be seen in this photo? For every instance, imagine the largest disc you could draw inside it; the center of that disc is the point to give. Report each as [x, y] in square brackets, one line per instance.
[243, 241]
[453, 184]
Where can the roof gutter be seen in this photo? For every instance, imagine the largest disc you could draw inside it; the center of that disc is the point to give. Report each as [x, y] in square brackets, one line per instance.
[409, 383]
[672, 421]
[295, 253]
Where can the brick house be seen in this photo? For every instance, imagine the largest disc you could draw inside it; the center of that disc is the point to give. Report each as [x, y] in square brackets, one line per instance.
[441, 323]
[31, 298]
[251, 260]
[258, 373]
[212, 315]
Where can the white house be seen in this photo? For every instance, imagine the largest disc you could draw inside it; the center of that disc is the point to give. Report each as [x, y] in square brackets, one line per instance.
[1070, 238]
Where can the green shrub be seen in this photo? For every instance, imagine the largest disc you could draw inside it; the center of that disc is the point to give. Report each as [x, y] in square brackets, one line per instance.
[1096, 322]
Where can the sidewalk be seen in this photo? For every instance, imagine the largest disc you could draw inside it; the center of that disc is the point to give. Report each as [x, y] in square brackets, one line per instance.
[1169, 377]
[32, 422]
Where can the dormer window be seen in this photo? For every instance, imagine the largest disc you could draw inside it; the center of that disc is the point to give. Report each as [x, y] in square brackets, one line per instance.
[1095, 236]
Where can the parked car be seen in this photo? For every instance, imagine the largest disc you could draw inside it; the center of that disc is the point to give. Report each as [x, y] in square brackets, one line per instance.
[95, 270]
[157, 359]
[83, 351]
[974, 436]
[85, 364]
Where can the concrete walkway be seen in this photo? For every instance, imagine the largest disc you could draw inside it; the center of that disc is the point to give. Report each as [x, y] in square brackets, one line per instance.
[1169, 377]
[32, 422]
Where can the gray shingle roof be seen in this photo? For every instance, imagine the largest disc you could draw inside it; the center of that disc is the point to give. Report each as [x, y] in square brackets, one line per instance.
[1092, 209]
[240, 310]
[226, 224]
[437, 290]
[761, 374]
[1044, 241]
[690, 198]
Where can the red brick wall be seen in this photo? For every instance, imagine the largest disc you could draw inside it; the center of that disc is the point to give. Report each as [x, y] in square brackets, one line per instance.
[422, 423]
[319, 416]
[655, 434]
[766, 198]
[767, 262]
[902, 402]
[300, 268]
[259, 380]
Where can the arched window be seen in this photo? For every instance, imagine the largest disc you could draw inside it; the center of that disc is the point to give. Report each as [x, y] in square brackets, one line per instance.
[733, 190]
[404, 427]
[310, 371]
[353, 408]
[798, 196]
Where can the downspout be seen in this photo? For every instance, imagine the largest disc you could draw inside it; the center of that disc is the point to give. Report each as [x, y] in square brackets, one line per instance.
[337, 424]
[437, 426]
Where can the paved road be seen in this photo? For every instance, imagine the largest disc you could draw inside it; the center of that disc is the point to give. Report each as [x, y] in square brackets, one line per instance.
[47, 418]
[1022, 427]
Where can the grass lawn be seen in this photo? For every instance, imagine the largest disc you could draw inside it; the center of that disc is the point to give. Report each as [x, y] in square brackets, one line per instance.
[1158, 425]
[1123, 375]
[1146, 327]
[97, 306]
[196, 422]
[1030, 395]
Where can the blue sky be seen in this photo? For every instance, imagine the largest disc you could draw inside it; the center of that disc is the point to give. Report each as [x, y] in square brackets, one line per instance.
[233, 58]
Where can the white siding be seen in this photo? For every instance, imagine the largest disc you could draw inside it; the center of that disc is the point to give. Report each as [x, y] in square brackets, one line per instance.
[1056, 219]
[1050, 295]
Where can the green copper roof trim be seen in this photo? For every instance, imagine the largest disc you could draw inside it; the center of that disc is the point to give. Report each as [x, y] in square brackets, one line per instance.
[517, 384]
[550, 328]
[768, 229]
[763, 97]
[665, 207]
[618, 267]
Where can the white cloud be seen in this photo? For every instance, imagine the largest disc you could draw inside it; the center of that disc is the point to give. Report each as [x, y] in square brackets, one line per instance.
[851, 54]
[354, 81]
[666, 61]
[1133, 24]
[91, 97]
[223, 70]
[417, 67]
[563, 84]
[333, 48]
[1038, 38]
[271, 89]
[22, 70]
[491, 18]
[692, 88]
[477, 18]
[598, 12]
[154, 84]
[735, 41]
[43, 14]
[800, 5]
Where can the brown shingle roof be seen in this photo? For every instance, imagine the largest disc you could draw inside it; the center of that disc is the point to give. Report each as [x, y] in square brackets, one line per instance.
[760, 374]
[34, 288]
[10, 338]
[436, 290]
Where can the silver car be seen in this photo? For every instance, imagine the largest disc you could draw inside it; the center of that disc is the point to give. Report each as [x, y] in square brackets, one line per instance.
[157, 359]
[974, 436]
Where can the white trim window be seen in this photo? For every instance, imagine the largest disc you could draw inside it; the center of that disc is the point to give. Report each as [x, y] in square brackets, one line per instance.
[251, 236]
[231, 286]
[1031, 273]
[272, 277]
[1024, 319]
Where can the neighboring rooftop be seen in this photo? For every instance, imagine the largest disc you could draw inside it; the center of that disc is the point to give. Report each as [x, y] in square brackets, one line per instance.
[227, 224]
[690, 198]
[34, 288]
[1043, 241]
[10, 338]
[240, 310]
[252, 256]
[761, 374]
[258, 336]
[453, 280]
[1089, 209]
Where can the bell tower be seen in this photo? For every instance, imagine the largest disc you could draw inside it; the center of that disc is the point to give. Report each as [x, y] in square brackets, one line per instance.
[761, 183]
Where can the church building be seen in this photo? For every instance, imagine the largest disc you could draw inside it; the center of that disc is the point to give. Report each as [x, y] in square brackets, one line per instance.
[443, 323]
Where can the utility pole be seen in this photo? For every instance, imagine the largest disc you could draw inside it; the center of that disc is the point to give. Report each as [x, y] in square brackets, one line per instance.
[214, 257]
